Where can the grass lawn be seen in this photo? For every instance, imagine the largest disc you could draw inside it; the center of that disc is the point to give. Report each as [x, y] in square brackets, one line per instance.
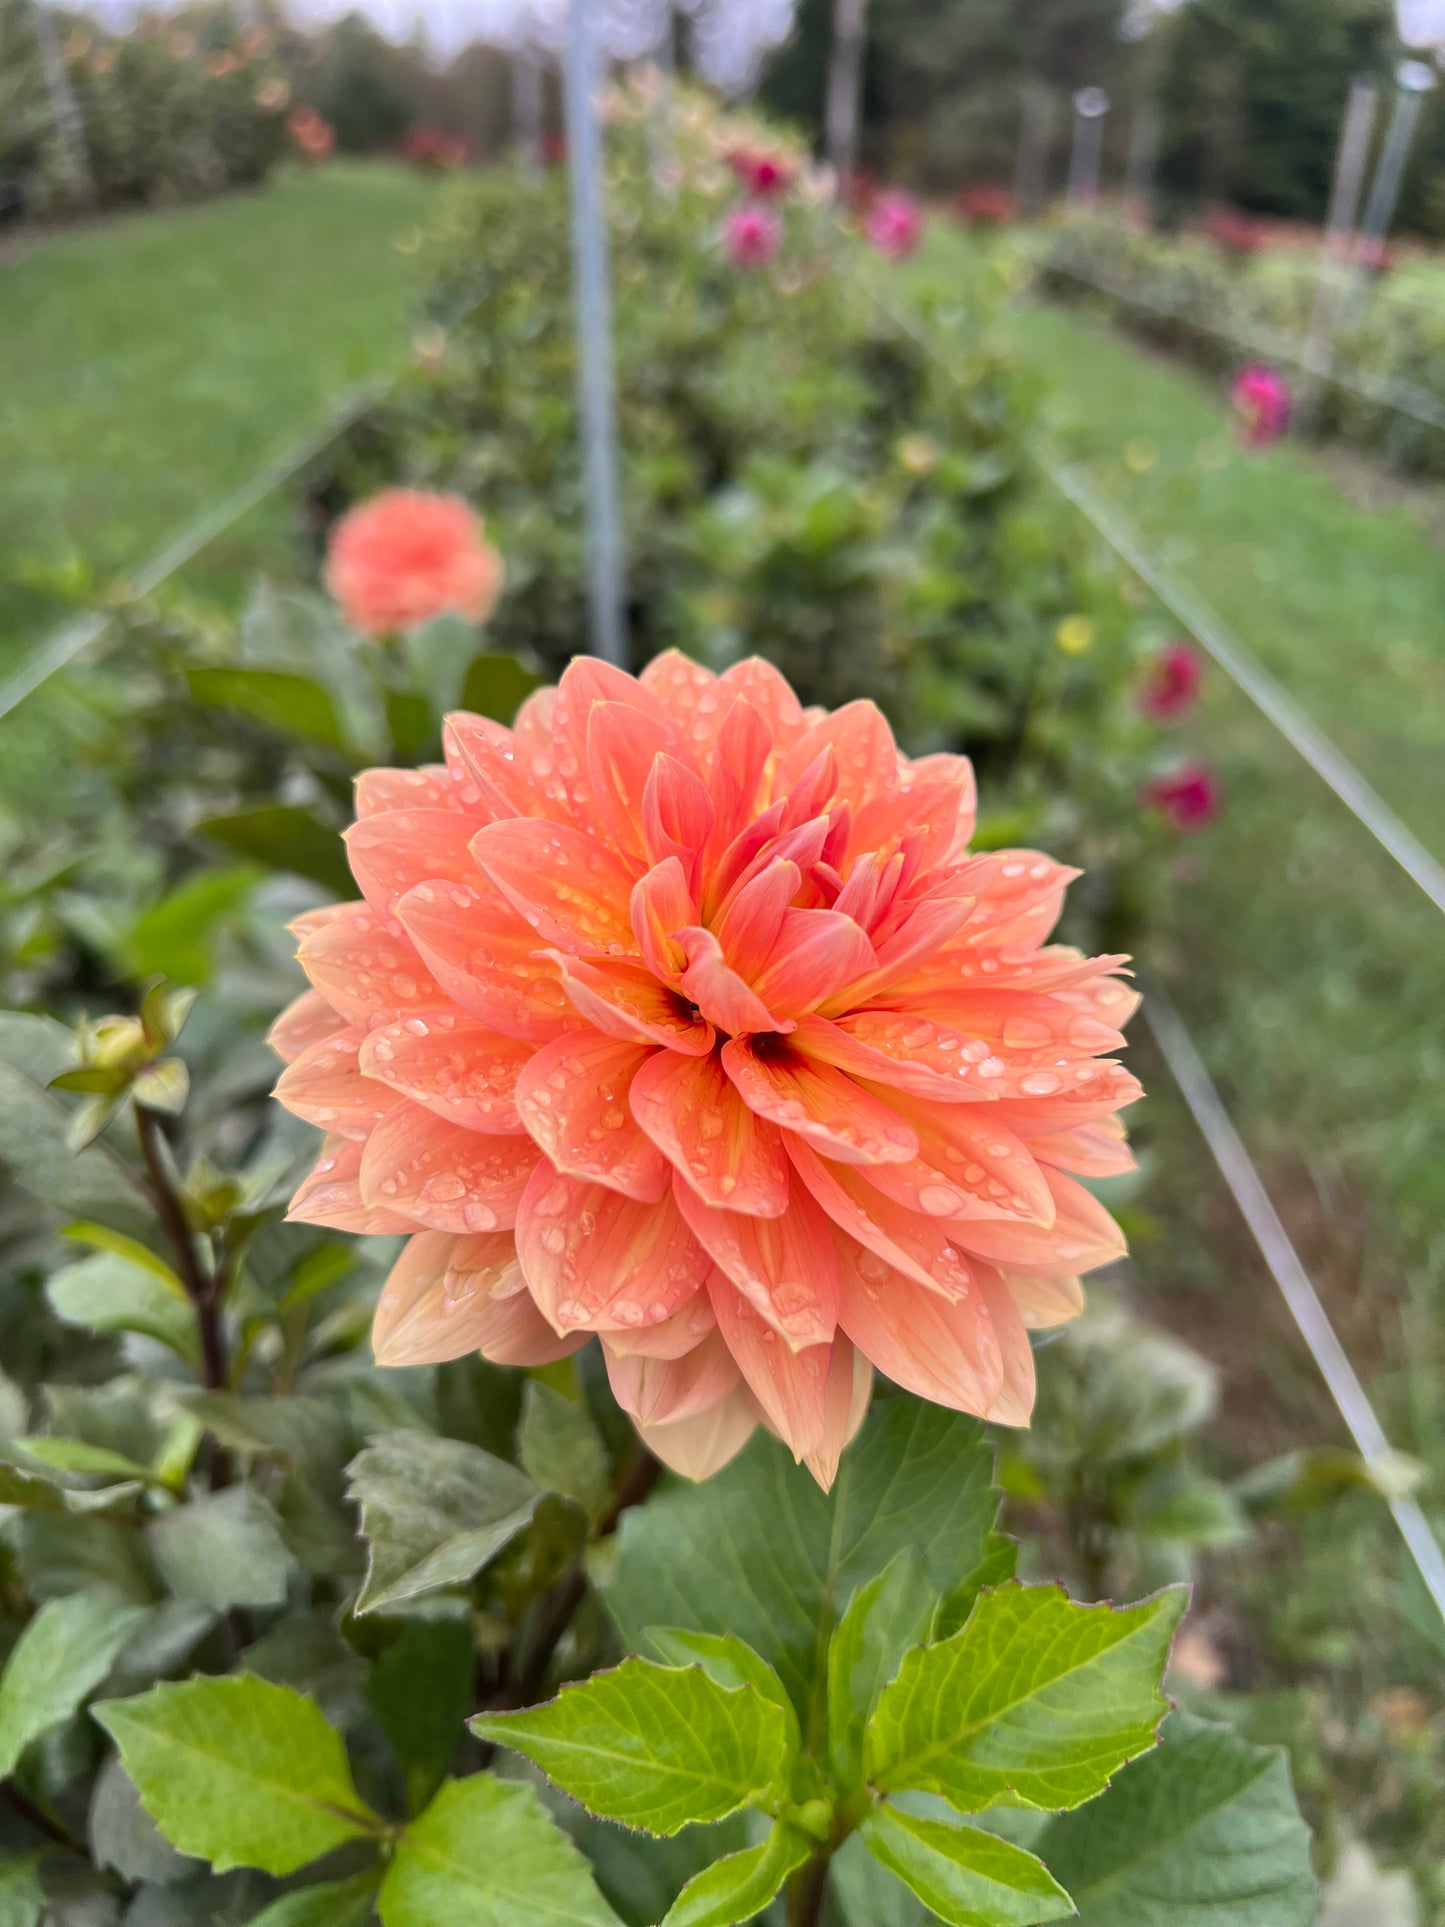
[154, 361]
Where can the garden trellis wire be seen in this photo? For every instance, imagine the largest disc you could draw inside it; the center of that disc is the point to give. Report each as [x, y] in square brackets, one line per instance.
[1236, 1167]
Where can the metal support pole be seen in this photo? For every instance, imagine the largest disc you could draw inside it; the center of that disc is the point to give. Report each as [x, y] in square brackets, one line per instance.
[1142, 160]
[1413, 80]
[527, 110]
[1031, 170]
[661, 136]
[845, 87]
[1350, 158]
[596, 395]
[63, 104]
[1091, 104]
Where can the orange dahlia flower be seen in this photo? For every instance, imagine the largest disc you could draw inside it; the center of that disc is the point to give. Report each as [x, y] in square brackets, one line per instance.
[681, 1015]
[405, 556]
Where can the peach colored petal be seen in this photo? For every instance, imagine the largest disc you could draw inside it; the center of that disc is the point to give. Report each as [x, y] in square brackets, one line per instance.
[391, 853]
[845, 1406]
[573, 1097]
[822, 1106]
[1043, 1298]
[486, 960]
[661, 1391]
[728, 1156]
[943, 1351]
[909, 1053]
[1013, 1402]
[586, 682]
[972, 1152]
[622, 747]
[785, 1267]
[381, 790]
[660, 907]
[301, 927]
[572, 891]
[740, 759]
[921, 1247]
[1094, 1088]
[677, 818]
[718, 991]
[924, 934]
[859, 736]
[488, 772]
[1082, 1237]
[686, 1329]
[442, 1175]
[447, 1297]
[678, 683]
[623, 1000]
[365, 966]
[758, 683]
[597, 1261]
[325, 1086]
[307, 1021]
[697, 1447]
[788, 1385]
[816, 952]
[1098, 1149]
[330, 1194]
[751, 926]
[452, 1064]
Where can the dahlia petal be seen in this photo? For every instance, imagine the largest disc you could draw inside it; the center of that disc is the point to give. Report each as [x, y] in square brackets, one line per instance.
[922, 934]
[661, 906]
[448, 1297]
[696, 1448]
[1098, 1149]
[871, 1044]
[484, 1280]
[920, 1247]
[661, 1391]
[1105, 998]
[330, 1194]
[486, 960]
[958, 774]
[788, 1385]
[587, 682]
[487, 771]
[452, 1064]
[728, 1156]
[325, 1086]
[688, 1326]
[744, 744]
[628, 1002]
[859, 736]
[718, 991]
[569, 888]
[1031, 1028]
[444, 1176]
[815, 954]
[1020, 894]
[1082, 1237]
[677, 817]
[821, 1105]
[785, 1267]
[678, 683]
[942, 1350]
[365, 967]
[751, 926]
[622, 748]
[758, 683]
[845, 1406]
[411, 1326]
[516, 1333]
[1044, 1298]
[391, 853]
[1013, 1402]
[307, 1021]
[573, 1098]
[381, 790]
[1088, 1090]
[597, 1261]
[973, 1153]
[301, 927]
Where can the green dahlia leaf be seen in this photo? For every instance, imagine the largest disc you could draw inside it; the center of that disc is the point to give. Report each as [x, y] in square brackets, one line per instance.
[966, 1877]
[63, 1654]
[741, 1885]
[655, 1747]
[1035, 1702]
[886, 1617]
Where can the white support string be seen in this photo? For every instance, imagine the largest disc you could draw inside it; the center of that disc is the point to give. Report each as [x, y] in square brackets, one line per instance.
[1296, 1286]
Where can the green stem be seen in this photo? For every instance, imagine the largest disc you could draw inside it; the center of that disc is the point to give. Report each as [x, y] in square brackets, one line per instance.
[807, 1891]
[205, 1293]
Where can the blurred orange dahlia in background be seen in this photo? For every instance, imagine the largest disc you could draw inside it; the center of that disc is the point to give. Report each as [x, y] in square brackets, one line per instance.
[682, 1016]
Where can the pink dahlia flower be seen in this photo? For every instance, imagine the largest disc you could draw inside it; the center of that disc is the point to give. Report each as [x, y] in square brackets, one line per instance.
[895, 225]
[1189, 797]
[404, 557]
[1171, 688]
[1261, 405]
[682, 1016]
[761, 174]
[751, 236]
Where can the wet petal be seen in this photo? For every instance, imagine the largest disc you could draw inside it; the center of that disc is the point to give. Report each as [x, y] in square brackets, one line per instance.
[573, 1097]
[902, 1052]
[391, 853]
[571, 890]
[488, 770]
[785, 1267]
[1082, 1237]
[758, 683]
[1095, 1150]
[486, 960]
[325, 1086]
[816, 953]
[452, 1064]
[307, 1021]
[718, 991]
[728, 1156]
[697, 1447]
[626, 1001]
[943, 1351]
[661, 906]
[750, 928]
[859, 736]
[622, 748]
[789, 1385]
[1013, 1402]
[380, 790]
[660, 1391]
[678, 683]
[922, 1248]
[686, 1329]
[823, 1106]
[443, 1176]
[330, 1194]
[365, 966]
[1044, 1298]
[597, 1261]
[845, 1406]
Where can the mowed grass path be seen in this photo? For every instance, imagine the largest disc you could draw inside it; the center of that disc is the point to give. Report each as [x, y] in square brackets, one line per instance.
[154, 361]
